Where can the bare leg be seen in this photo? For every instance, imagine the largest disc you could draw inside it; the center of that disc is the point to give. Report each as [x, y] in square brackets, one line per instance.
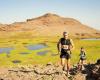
[80, 65]
[82, 62]
[63, 61]
[68, 65]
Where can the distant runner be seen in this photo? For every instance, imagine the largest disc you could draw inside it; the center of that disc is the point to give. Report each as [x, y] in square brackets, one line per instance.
[82, 58]
[65, 45]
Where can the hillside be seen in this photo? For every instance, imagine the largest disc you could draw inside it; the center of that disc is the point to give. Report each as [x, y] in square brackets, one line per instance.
[49, 25]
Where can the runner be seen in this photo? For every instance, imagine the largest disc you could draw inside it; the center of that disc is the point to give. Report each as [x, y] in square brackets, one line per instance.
[82, 60]
[65, 45]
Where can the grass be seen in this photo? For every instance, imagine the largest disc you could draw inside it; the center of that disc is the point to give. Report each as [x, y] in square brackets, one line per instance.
[92, 49]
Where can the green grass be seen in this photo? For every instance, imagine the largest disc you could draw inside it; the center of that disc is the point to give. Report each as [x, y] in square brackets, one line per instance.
[92, 49]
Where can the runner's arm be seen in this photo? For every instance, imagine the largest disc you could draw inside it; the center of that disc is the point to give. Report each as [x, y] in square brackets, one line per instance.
[72, 44]
[59, 46]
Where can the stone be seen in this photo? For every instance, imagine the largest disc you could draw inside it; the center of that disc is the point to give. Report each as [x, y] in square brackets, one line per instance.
[49, 71]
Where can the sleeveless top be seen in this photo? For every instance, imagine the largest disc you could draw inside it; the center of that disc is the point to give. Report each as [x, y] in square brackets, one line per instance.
[65, 41]
[82, 54]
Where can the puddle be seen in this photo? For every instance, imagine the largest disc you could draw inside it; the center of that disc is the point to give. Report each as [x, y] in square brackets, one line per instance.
[53, 54]
[43, 52]
[90, 39]
[36, 46]
[24, 53]
[16, 61]
[6, 50]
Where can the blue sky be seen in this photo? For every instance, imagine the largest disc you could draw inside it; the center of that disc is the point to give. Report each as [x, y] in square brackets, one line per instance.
[86, 11]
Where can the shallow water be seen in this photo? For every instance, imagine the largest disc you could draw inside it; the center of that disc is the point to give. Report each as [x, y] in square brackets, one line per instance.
[23, 53]
[53, 54]
[36, 46]
[91, 39]
[43, 52]
[6, 49]
[16, 61]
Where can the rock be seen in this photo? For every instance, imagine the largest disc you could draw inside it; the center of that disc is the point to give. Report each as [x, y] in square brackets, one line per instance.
[50, 71]
[79, 77]
[94, 71]
[50, 63]
[60, 77]
[98, 62]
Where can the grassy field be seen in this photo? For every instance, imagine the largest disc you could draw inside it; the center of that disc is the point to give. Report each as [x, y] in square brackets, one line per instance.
[92, 49]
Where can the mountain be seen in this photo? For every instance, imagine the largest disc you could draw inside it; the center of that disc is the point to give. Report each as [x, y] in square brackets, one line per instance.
[50, 25]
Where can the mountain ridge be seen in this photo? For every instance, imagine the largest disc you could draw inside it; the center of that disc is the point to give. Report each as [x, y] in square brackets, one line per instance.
[50, 22]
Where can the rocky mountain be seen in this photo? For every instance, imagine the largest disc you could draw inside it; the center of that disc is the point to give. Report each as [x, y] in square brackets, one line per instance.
[51, 25]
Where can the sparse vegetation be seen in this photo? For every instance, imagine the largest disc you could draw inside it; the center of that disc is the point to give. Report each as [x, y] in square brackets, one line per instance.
[92, 49]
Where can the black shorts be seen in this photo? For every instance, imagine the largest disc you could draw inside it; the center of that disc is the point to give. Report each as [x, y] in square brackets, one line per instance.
[65, 54]
[83, 58]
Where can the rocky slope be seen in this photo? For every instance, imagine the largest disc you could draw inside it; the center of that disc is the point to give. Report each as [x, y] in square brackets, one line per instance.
[50, 72]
